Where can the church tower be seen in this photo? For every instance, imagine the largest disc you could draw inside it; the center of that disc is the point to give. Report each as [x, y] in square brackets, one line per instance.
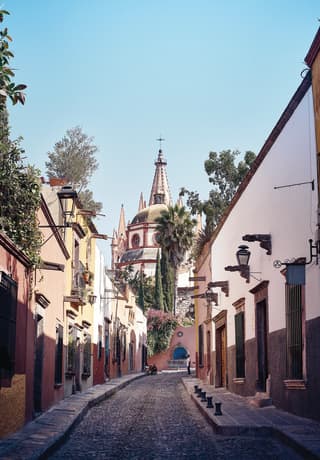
[136, 244]
[160, 191]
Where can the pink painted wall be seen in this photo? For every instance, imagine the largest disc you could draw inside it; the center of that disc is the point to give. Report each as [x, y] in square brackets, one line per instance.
[187, 340]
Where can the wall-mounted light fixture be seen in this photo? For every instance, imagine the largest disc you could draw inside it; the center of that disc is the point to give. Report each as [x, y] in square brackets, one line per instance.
[67, 193]
[92, 299]
[262, 238]
[243, 256]
[211, 296]
[224, 285]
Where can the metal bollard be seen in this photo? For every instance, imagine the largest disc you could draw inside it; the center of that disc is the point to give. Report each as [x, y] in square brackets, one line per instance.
[195, 388]
[199, 392]
[209, 402]
[218, 408]
[203, 396]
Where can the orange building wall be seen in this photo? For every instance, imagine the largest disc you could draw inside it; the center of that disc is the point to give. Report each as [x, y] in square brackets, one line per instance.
[187, 340]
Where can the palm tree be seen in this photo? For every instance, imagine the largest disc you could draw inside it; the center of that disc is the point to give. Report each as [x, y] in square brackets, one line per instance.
[176, 235]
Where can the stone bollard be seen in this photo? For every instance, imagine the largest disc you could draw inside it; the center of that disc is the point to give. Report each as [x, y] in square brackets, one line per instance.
[218, 408]
[203, 396]
[209, 402]
[195, 388]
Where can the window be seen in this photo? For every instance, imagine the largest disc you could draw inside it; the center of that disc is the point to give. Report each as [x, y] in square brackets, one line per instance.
[86, 355]
[99, 351]
[294, 331]
[8, 309]
[72, 348]
[208, 351]
[58, 357]
[200, 345]
[124, 345]
[240, 350]
[135, 241]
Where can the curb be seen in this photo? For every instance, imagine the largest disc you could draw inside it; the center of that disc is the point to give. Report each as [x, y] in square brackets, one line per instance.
[33, 443]
[259, 430]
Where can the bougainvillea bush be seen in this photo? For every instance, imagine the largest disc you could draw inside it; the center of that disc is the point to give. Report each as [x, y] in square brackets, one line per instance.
[161, 326]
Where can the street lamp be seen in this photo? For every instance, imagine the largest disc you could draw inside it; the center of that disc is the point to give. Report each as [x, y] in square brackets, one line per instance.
[243, 256]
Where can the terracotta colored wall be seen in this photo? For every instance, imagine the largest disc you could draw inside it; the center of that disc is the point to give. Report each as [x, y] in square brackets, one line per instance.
[15, 396]
[187, 340]
[98, 365]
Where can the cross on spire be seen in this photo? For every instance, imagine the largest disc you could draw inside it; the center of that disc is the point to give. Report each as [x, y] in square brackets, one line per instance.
[160, 140]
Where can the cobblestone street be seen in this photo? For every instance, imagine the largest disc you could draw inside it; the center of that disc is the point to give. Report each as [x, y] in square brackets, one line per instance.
[154, 418]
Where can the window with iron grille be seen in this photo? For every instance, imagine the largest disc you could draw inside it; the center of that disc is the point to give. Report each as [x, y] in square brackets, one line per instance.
[124, 345]
[72, 347]
[200, 329]
[294, 331]
[58, 357]
[87, 355]
[240, 349]
[8, 309]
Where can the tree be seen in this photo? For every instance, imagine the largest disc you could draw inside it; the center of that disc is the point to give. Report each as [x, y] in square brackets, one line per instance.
[225, 177]
[7, 87]
[167, 281]
[158, 291]
[73, 158]
[141, 294]
[176, 235]
[19, 183]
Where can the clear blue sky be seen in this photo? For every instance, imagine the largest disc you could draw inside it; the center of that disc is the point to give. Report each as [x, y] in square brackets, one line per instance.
[205, 74]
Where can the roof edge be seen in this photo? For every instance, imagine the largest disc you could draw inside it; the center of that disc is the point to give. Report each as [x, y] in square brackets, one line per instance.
[283, 120]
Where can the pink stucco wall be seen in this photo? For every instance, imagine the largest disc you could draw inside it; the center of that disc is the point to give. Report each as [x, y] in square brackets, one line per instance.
[186, 340]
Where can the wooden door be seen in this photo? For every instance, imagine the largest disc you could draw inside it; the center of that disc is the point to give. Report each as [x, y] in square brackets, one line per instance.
[221, 356]
[38, 366]
[262, 350]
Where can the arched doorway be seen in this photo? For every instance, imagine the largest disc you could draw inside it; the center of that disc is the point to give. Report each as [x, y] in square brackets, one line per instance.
[180, 353]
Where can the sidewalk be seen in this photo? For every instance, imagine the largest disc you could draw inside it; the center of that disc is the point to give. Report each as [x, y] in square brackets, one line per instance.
[241, 418]
[37, 438]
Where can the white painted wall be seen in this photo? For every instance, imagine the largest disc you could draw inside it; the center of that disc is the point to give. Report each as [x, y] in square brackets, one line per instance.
[288, 214]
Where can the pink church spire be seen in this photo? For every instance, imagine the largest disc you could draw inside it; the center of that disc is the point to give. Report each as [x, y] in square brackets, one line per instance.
[141, 203]
[160, 192]
[122, 224]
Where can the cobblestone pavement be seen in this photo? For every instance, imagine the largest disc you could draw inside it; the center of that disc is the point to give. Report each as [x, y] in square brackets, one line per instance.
[154, 418]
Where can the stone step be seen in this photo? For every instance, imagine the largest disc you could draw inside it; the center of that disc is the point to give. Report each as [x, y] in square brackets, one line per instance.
[260, 399]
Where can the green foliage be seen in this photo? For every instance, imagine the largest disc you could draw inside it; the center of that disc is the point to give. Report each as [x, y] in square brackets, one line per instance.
[143, 286]
[225, 176]
[73, 158]
[140, 300]
[167, 281]
[7, 87]
[176, 233]
[161, 327]
[19, 184]
[158, 292]
[87, 201]
[19, 198]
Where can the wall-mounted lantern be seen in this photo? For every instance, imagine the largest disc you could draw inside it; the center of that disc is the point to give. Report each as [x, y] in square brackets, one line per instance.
[243, 256]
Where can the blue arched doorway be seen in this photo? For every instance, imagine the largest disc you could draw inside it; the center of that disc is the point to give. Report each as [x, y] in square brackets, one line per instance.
[180, 353]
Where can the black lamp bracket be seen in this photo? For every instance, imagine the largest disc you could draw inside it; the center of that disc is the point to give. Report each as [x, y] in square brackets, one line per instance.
[262, 238]
[314, 251]
[243, 269]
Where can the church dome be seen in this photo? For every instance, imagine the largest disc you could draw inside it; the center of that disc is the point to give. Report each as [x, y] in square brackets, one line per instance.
[149, 214]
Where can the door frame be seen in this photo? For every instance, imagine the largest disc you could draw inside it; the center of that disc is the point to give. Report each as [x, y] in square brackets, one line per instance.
[260, 293]
[221, 376]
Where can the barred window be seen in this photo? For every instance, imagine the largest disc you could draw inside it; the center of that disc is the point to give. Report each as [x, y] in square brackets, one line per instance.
[72, 347]
[8, 310]
[200, 329]
[87, 355]
[294, 331]
[58, 357]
